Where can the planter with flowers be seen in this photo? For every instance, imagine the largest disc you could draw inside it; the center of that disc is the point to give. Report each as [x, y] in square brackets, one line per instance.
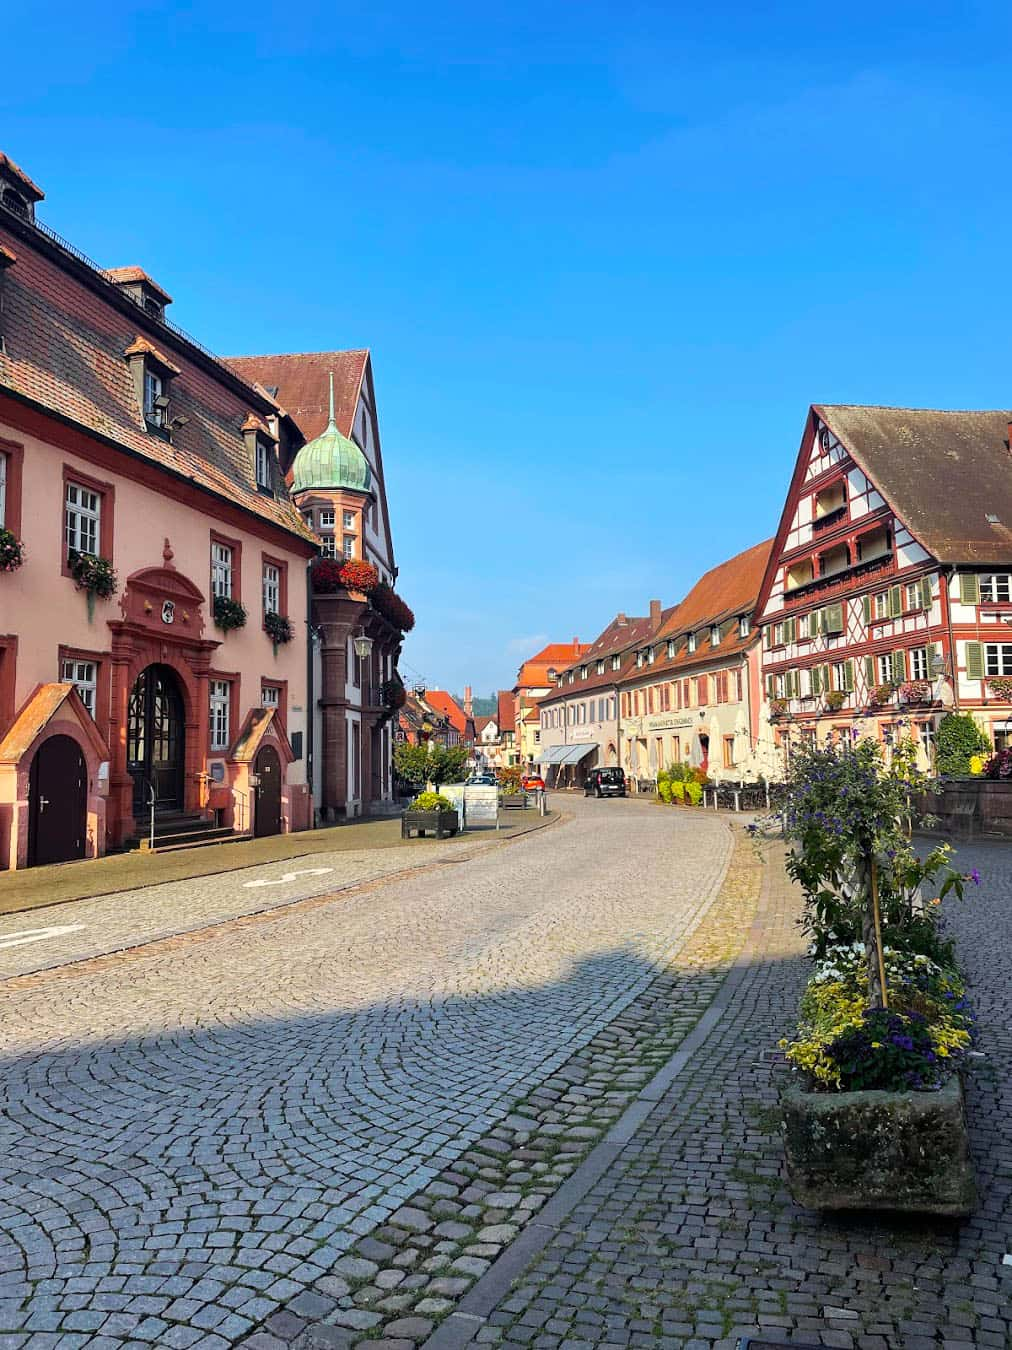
[1001, 687]
[93, 575]
[430, 812]
[835, 700]
[875, 1118]
[881, 695]
[778, 707]
[278, 628]
[915, 691]
[228, 613]
[12, 551]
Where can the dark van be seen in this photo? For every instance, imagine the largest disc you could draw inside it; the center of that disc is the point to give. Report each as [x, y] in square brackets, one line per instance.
[604, 783]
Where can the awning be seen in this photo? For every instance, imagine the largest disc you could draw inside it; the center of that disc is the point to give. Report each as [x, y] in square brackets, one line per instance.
[566, 754]
[550, 754]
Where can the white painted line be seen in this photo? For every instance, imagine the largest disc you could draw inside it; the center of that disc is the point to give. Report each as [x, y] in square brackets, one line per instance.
[290, 876]
[26, 935]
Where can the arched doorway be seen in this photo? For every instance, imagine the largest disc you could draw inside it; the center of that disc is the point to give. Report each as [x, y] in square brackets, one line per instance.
[156, 739]
[57, 802]
[267, 817]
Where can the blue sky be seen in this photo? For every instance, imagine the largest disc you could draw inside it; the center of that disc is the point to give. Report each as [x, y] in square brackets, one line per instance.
[604, 255]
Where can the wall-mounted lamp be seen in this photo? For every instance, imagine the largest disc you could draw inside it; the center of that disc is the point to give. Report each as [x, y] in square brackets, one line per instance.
[363, 646]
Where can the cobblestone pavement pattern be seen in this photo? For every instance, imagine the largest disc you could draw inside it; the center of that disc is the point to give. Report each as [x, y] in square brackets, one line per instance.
[192, 1139]
[691, 1238]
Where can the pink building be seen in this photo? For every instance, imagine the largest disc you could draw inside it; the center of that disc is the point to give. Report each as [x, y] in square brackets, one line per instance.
[153, 571]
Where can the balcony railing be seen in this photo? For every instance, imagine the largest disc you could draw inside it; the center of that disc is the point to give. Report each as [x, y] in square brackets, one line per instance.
[835, 578]
[830, 518]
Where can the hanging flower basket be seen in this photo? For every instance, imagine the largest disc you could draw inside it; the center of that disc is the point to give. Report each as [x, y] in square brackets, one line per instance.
[228, 613]
[92, 574]
[915, 691]
[359, 576]
[12, 552]
[388, 603]
[1001, 687]
[278, 628]
[393, 694]
[881, 694]
[835, 700]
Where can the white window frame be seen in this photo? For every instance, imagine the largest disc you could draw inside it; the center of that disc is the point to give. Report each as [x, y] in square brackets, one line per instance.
[270, 696]
[221, 570]
[348, 519]
[880, 605]
[745, 626]
[220, 696]
[348, 546]
[152, 391]
[271, 588]
[83, 675]
[328, 546]
[997, 659]
[715, 635]
[690, 643]
[82, 519]
[616, 662]
[919, 663]
[884, 667]
[912, 595]
[264, 471]
[327, 518]
[995, 588]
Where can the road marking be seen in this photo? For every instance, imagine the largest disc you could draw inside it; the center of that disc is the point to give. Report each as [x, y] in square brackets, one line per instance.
[27, 935]
[290, 876]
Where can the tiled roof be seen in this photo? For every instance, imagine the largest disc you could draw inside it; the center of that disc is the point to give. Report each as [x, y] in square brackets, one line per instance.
[67, 338]
[507, 706]
[12, 170]
[533, 673]
[946, 475]
[302, 383]
[121, 274]
[447, 705]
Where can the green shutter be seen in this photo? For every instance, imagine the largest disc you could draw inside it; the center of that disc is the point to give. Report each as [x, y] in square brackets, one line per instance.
[895, 601]
[814, 676]
[834, 618]
[925, 592]
[790, 629]
[869, 671]
[899, 667]
[866, 603]
[932, 652]
[848, 675]
[969, 592]
[827, 679]
[975, 659]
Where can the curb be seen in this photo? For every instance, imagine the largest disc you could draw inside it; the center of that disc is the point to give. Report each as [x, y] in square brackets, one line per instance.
[462, 1325]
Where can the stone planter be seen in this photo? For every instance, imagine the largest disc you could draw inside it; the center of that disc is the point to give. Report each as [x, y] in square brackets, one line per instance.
[879, 1150]
[440, 823]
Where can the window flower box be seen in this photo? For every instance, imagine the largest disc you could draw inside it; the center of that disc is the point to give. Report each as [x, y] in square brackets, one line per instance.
[915, 691]
[278, 628]
[228, 613]
[778, 707]
[881, 695]
[12, 552]
[902, 1151]
[93, 575]
[835, 700]
[1001, 687]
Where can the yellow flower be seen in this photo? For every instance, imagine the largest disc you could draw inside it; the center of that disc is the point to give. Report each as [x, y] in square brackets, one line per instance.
[876, 1045]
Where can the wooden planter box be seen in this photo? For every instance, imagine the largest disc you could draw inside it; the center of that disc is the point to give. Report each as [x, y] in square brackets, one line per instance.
[440, 823]
[904, 1151]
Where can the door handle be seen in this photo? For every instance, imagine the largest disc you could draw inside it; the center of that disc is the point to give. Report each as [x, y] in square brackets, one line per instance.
[43, 803]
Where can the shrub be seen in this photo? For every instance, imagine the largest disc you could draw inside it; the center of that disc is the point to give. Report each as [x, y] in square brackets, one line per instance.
[999, 765]
[228, 613]
[12, 552]
[677, 790]
[694, 792]
[664, 790]
[958, 738]
[431, 801]
[509, 781]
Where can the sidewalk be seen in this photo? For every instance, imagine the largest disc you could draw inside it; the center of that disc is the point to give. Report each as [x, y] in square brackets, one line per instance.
[34, 887]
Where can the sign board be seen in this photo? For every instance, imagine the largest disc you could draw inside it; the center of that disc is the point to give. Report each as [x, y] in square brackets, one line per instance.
[217, 771]
[475, 804]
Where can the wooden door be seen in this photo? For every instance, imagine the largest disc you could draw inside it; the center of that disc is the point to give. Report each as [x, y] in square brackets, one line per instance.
[267, 766]
[57, 802]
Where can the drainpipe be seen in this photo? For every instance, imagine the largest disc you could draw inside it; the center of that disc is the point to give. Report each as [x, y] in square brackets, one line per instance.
[947, 574]
[618, 725]
[310, 692]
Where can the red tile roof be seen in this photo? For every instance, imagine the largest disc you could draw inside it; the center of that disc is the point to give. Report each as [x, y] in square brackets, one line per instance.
[302, 380]
[621, 638]
[447, 705]
[507, 711]
[121, 274]
[12, 170]
[533, 674]
[67, 335]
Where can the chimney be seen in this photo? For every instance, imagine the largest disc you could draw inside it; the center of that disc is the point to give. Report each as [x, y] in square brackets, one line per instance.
[468, 701]
[655, 612]
[621, 619]
[576, 642]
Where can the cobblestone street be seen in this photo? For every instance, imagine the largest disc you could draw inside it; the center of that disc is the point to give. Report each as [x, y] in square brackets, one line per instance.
[196, 1132]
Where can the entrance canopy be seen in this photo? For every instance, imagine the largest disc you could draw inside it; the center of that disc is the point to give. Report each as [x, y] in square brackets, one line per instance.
[567, 754]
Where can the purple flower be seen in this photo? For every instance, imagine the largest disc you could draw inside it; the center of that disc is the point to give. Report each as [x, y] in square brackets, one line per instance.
[974, 876]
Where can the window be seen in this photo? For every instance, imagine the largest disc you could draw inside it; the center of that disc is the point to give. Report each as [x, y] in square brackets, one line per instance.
[84, 676]
[919, 663]
[651, 653]
[702, 690]
[803, 622]
[272, 589]
[616, 661]
[926, 732]
[880, 605]
[221, 570]
[82, 519]
[270, 696]
[326, 519]
[307, 516]
[671, 648]
[728, 752]
[349, 546]
[745, 626]
[912, 595]
[996, 587]
[779, 634]
[583, 672]
[639, 660]
[884, 667]
[327, 547]
[843, 677]
[714, 634]
[720, 684]
[154, 403]
[690, 643]
[599, 668]
[348, 519]
[219, 714]
[264, 457]
[998, 658]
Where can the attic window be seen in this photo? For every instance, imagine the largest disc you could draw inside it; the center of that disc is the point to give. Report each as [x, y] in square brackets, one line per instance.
[583, 672]
[600, 667]
[152, 374]
[264, 457]
[15, 202]
[616, 661]
[262, 449]
[715, 635]
[690, 643]
[744, 626]
[671, 648]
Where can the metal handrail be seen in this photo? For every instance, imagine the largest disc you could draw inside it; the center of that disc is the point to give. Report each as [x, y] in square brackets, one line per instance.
[238, 792]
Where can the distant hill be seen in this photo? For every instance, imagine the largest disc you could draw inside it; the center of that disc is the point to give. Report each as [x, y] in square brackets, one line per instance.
[483, 707]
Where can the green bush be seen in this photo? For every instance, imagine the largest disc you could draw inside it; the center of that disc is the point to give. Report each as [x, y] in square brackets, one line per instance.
[431, 801]
[677, 790]
[664, 789]
[959, 738]
[694, 792]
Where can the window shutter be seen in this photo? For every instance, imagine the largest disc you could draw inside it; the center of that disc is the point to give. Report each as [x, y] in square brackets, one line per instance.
[899, 667]
[827, 679]
[866, 604]
[815, 677]
[974, 657]
[895, 602]
[834, 618]
[790, 626]
[869, 671]
[770, 686]
[932, 654]
[925, 592]
[848, 675]
[795, 684]
[969, 592]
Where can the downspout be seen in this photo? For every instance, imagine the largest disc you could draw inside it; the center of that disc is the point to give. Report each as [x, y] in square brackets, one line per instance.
[310, 692]
[947, 574]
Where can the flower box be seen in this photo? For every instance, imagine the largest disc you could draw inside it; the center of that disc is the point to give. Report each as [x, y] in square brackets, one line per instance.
[903, 1151]
[442, 824]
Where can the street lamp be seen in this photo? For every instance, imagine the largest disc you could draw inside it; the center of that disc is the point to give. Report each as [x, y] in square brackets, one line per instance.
[363, 646]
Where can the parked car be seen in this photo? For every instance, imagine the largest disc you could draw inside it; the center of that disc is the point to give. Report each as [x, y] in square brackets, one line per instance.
[604, 783]
[532, 782]
[481, 780]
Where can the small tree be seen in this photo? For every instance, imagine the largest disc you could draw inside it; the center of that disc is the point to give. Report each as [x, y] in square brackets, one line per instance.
[430, 763]
[958, 738]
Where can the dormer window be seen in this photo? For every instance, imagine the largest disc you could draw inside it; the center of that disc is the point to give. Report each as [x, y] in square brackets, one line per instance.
[715, 635]
[142, 290]
[153, 374]
[262, 448]
[15, 202]
[690, 644]
[599, 668]
[744, 626]
[17, 191]
[671, 648]
[651, 653]
[583, 672]
[639, 660]
[616, 662]
[263, 457]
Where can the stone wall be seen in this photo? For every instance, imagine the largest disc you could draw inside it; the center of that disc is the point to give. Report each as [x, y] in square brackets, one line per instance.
[970, 807]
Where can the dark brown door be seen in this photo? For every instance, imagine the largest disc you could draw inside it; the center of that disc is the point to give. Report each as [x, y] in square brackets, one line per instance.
[57, 802]
[267, 766]
[156, 739]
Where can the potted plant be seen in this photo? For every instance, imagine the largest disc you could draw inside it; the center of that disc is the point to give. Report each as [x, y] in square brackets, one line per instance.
[875, 1117]
[430, 812]
[835, 699]
[881, 694]
[12, 552]
[93, 575]
[915, 691]
[228, 613]
[778, 706]
[1001, 687]
[278, 628]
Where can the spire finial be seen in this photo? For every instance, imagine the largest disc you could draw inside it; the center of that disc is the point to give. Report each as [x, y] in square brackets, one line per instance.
[331, 422]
